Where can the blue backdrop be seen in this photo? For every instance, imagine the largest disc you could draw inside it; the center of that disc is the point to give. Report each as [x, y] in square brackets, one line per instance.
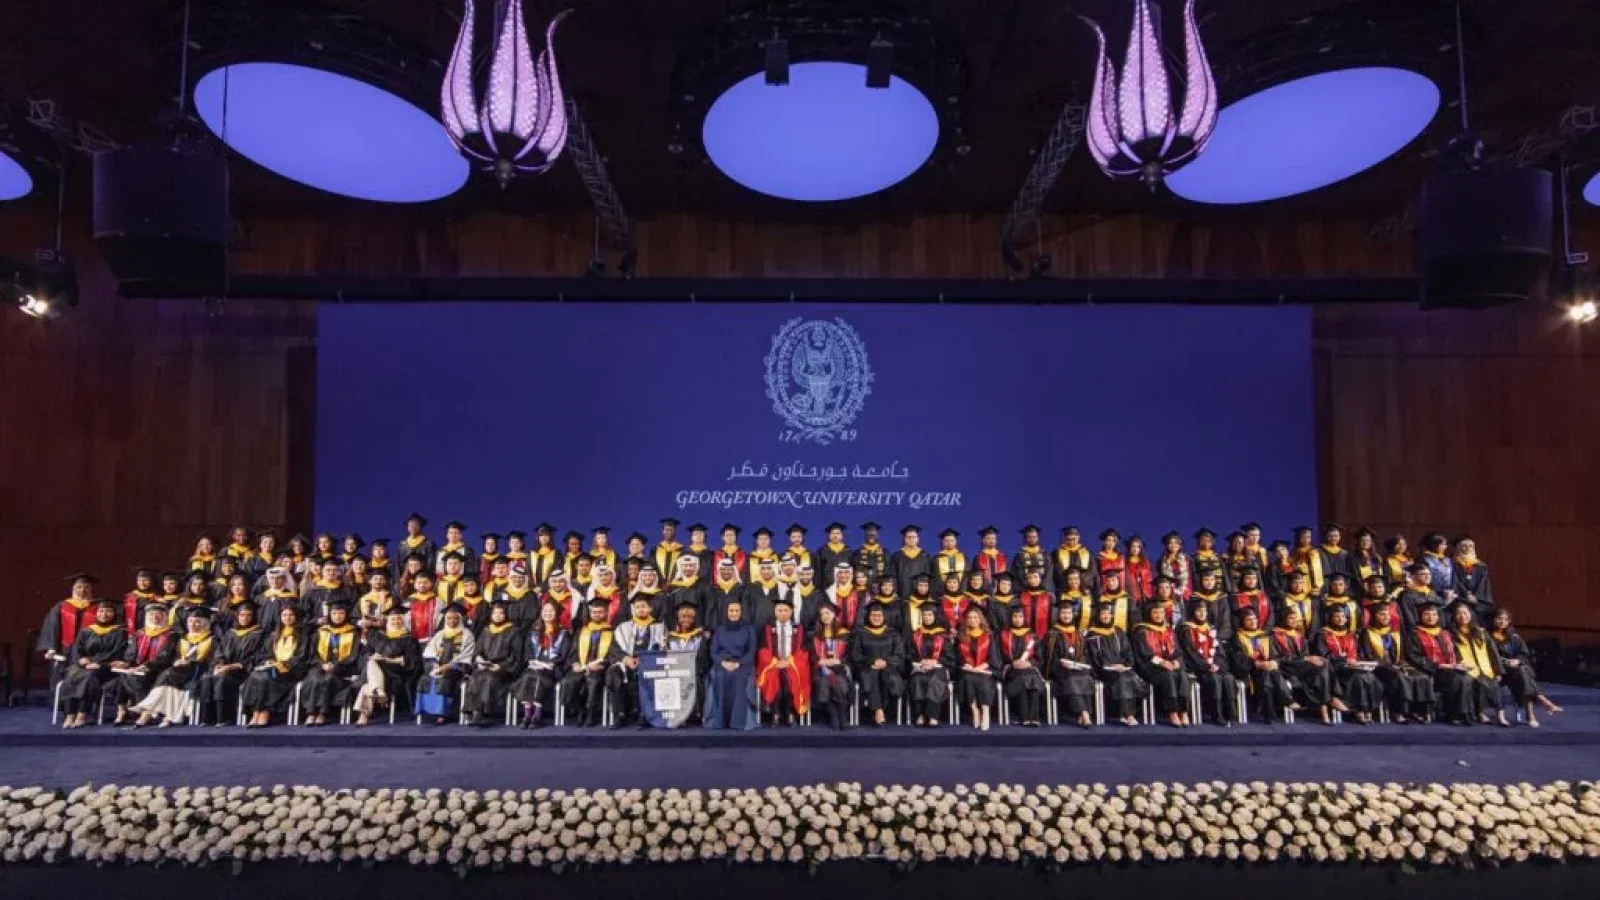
[505, 415]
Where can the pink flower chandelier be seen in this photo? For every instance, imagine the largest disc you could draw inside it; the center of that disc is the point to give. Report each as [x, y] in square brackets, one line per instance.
[521, 123]
[1133, 130]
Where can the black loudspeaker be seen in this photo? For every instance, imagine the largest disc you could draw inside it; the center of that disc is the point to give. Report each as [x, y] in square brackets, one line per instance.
[1484, 236]
[161, 218]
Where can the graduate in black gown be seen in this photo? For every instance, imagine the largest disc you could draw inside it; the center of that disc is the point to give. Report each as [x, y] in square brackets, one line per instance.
[1338, 595]
[1471, 578]
[496, 667]
[832, 687]
[1071, 680]
[279, 592]
[871, 555]
[391, 664]
[1110, 654]
[1481, 661]
[835, 551]
[761, 594]
[549, 656]
[1205, 659]
[1432, 648]
[896, 614]
[96, 646]
[725, 588]
[877, 654]
[335, 661]
[1208, 590]
[933, 654]
[1356, 688]
[1308, 672]
[1021, 656]
[268, 687]
[978, 662]
[1303, 602]
[150, 651]
[1159, 661]
[688, 585]
[1255, 662]
[240, 649]
[169, 694]
[910, 561]
[730, 691]
[1516, 662]
[594, 651]
[65, 621]
[328, 589]
[1407, 689]
[418, 543]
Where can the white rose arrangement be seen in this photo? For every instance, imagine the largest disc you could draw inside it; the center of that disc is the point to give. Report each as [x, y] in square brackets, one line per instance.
[1330, 823]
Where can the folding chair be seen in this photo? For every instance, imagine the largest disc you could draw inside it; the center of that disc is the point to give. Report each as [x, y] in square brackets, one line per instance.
[55, 707]
[1099, 702]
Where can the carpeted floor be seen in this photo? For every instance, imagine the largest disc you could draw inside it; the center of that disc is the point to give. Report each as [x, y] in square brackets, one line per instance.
[1568, 747]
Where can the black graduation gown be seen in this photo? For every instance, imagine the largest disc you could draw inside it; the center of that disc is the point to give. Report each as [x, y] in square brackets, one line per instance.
[1024, 685]
[759, 603]
[319, 598]
[1341, 563]
[1310, 612]
[872, 557]
[879, 687]
[549, 657]
[269, 686]
[1516, 663]
[523, 611]
[1265, 609]
[1000, 606]
[1103, 647]
[1268, 686]
[219, 694]
[696, 595]
[895, 613]
[1205, 659]
[1171, 686]
[499, 647]
[931, 689]
[1025, 557]
[1275, 581]
[1359, 689]
[64, 620]
[324, 692]
[1411, 600]
[152, 653]
[426, 548]
[583, 691]
[1315, 682]
[397, 677]
[1216, 610]
[1407, 689]
[717, 598]
[272, 605]
[1452, 686]
[1073, 687]
[1473, 586]
[827, 558]
[906, 568]
[81, 687]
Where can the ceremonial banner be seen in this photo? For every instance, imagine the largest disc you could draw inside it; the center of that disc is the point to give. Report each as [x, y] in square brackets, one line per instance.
[669, 689]
[585, 414]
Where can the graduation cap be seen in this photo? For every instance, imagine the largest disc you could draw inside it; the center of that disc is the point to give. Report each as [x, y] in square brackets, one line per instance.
[456, 608]
[952, 575]
[1302, 529]
[670, 521]
[419, 518]
[1428, 602]
[1208, 568]
[142, 570]
[1329, 527]
[1249, 569]
[698, 526]
[836, 526]
[763, 531]
[1103, 604]
[649, 567]
[887, 576]
[987, 530]
[198, 610]
[1134, 537]
[245, 604]
[923, 576]
[456, 524]
[601, 529]
[870, 526]
[1109, 533]
[1171, 536]
[1338, 576]
[1204, 533]
[1027, 528]
[911, 529]
[544, 528]
[783, 601]
[1276, 544]
[381, 542]
[1166, 579]
[338, 603]
[195, 574]
[572, 536]
[636, 536]
[352, 536]
[1416, 568]
[1250, 526]
[455, 555]
[792, 529]
[687, 603]
[598, 602]
[1113, 570]
[1297, 573]
[496, 536]
[475, 579]
[1373, 577]
[729, 526]
[1004, 576]
[300, 537]
[949, 533]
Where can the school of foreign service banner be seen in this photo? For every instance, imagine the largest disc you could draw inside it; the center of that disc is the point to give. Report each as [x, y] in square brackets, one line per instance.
[586, 414]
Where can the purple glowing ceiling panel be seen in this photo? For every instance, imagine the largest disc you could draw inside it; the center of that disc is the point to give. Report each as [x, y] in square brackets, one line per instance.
[1591, 191]
[1308, 133]
[14, 179]
[331, 132]
[823, 136]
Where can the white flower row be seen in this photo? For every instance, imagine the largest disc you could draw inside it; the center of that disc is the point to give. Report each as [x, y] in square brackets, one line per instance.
[1323, 822]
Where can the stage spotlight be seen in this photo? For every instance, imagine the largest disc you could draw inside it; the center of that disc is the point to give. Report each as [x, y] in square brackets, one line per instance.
[777, 50]
[1583, 313]
[36, 306]
[880, 60]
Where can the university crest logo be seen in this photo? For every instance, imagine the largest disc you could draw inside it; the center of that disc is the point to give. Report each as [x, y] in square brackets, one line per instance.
[818, 378]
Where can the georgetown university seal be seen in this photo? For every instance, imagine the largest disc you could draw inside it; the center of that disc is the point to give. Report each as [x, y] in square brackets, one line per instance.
[818, 378]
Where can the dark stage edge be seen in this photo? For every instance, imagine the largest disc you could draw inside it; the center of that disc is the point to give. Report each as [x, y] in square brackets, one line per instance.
[779, 882]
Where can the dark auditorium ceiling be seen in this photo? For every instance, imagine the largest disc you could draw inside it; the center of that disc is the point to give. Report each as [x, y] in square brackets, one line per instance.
[113, 64]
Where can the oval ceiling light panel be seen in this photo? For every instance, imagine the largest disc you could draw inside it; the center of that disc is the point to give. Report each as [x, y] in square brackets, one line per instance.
[15, 181]
[331, 132]
[823, 136]
[1591, 191]
[1308, 133]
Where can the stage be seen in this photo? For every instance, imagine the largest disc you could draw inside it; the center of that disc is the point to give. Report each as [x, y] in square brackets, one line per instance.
[1567, 746]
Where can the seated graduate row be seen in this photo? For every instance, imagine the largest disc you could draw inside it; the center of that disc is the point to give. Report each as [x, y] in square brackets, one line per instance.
[776, 668]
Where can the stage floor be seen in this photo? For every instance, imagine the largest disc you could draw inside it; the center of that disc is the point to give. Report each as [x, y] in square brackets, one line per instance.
[405, 755]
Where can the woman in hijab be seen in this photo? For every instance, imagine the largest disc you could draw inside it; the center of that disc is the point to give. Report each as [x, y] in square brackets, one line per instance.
[730, 691]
